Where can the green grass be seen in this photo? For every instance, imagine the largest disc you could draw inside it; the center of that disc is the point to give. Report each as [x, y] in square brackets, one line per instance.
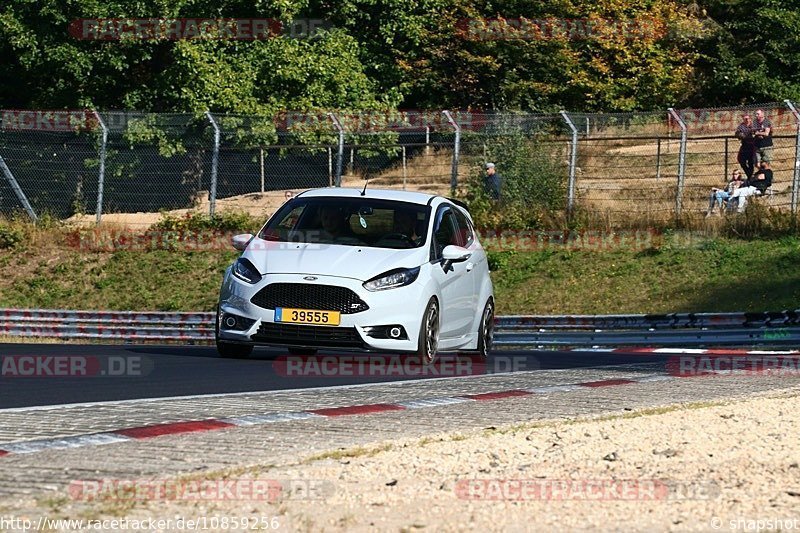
[677, 273]
[680, 275]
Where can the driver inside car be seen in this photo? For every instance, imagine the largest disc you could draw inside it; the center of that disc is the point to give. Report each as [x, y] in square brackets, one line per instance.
[334, 226]
[405, 223]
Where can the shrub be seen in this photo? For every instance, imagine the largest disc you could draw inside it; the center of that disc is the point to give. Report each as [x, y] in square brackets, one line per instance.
[10, 236]
[227, 221]
[534, 185]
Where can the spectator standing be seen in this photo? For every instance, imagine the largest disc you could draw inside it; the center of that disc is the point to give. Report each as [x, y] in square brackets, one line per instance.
[762, 130]
[721, 196]
[492, 182]
[747, 151]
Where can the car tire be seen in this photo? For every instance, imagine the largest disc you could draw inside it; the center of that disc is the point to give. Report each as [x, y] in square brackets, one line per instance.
[486, 330]
[429, 333]
[230, 350]
[300, 350]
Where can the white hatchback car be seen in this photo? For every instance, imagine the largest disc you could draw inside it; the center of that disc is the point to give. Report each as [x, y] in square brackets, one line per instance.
[379, 270]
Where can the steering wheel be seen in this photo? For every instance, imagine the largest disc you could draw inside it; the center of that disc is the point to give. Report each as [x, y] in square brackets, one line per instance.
[398, 237]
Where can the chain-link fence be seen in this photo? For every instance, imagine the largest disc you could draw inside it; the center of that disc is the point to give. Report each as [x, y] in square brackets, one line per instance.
[85, 165]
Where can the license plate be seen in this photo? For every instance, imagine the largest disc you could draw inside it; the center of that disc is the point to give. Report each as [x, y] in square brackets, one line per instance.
[307, 316]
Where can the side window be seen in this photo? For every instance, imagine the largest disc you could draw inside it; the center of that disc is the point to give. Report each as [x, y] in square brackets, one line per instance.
[465, 234]
[444, 231]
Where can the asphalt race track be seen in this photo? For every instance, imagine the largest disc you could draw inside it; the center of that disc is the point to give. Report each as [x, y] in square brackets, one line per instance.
[48, 374]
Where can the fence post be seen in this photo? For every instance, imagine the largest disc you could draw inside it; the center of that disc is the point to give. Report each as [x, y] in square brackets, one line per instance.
[796, 175]
[681, 162]
[727, 155]
[330, 167]
[340, 154]
[102, 176]
[405, 168]
[658, 159]
[427, 140]
[261, 161]
[456, 150]
[573, 160]
[212, 194]
[17, 190]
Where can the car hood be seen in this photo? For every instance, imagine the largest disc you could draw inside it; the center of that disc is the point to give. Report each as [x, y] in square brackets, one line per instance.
[358, 262]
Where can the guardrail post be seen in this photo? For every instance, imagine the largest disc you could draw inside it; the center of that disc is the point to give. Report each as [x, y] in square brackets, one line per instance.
[681, 162]
[17, 190]
[456, 150]
[212, 193]
[573, 160]
[340, 154]
[796, 175]
[102, 174]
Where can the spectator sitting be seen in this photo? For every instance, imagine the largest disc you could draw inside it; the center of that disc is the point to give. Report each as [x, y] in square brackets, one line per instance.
[721, 196]
[756, 186]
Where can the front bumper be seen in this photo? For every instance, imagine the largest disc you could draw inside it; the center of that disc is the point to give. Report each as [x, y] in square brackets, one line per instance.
[403, 306]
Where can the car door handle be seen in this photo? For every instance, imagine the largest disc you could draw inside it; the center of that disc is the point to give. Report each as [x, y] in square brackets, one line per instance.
[470, 266]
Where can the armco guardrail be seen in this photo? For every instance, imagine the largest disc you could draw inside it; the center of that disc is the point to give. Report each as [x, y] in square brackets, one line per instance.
[686, 329]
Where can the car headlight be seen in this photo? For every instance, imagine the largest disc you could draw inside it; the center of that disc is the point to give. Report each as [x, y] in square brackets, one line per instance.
[392, 279]
[245, 271]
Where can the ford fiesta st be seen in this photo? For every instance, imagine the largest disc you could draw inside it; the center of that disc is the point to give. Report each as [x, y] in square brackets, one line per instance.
[344, 268]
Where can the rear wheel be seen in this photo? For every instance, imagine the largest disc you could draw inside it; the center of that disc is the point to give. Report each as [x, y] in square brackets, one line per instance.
[230, 350]
[429, 333]
[486, 330]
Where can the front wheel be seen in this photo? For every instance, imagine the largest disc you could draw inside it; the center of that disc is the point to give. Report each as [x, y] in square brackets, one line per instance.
[429, 333]
[486, 330]
[230, 350]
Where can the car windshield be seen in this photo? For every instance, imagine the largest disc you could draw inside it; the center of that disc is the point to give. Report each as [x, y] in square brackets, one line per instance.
[349, 222]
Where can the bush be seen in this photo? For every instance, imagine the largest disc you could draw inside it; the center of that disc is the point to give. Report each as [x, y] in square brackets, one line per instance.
[534, 185]
[10, 237]
[228, 221]
[498, 260]
[760, 222]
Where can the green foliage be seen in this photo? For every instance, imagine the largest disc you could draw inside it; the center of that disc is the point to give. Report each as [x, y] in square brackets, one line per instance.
[533, 184]
[10, 236]
[192, 222]
[499, 260]
[759, 222]
[749, 52]
[641, 54]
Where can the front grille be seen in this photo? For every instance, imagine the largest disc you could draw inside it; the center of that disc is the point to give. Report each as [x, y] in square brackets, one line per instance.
[309, 296]
[318, 336]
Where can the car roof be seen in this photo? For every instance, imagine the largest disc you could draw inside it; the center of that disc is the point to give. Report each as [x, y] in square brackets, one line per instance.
[381, 194]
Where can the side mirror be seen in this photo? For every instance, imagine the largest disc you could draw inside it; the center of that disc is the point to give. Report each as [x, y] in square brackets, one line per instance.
[240, 241]
[455, 254]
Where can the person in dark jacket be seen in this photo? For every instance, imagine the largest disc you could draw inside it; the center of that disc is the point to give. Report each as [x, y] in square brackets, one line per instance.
[747, 151]
[492, 182]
